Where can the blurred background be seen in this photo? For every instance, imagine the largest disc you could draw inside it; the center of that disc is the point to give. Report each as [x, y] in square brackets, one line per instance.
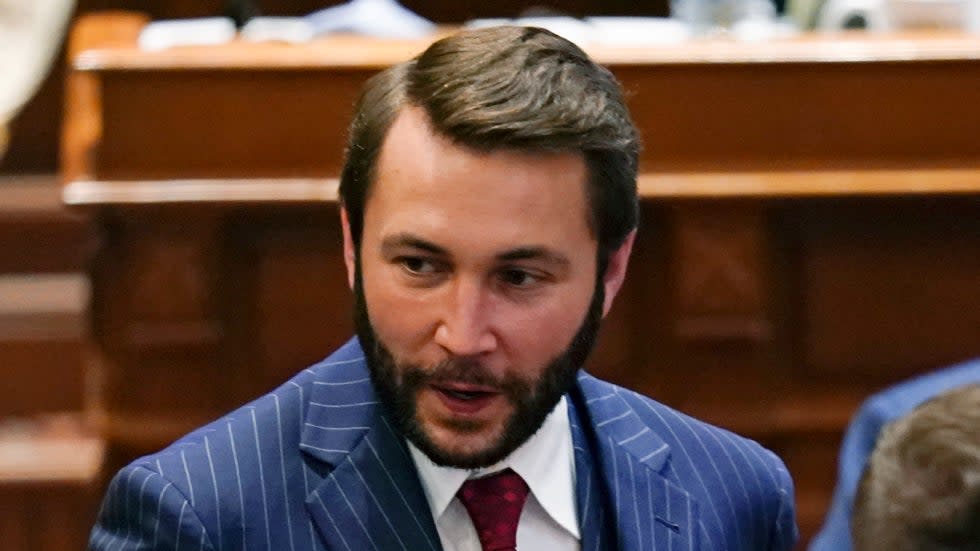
[811, 216]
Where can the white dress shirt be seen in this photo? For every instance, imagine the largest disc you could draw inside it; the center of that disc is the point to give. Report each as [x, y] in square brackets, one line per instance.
[546, 462]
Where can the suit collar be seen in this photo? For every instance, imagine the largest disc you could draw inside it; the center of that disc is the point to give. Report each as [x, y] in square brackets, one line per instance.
[632, 463]
[342, 407]
[612, 416]
[370, 496]
[545, 462]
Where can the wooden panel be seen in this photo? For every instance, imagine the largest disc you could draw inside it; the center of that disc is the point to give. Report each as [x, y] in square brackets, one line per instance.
[767, 116]
[34, 144]
[293, 286]
[41, 375]
[223, 305]
[720, 274]
[37, 232]
[842, 112]
[216, 134]
[158, 305]
[43, 319]
[634, 332]
[212, 136]
[809, 220]
[49, 490]
[890, 288]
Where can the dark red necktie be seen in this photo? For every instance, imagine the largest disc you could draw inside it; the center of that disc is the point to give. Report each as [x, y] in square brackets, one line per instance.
[494, 503]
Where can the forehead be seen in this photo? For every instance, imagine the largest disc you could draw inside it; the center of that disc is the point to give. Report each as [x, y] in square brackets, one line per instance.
[426, 183]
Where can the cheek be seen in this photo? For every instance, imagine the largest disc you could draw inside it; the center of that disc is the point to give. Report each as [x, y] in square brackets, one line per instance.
[398, 317]
[537, 336]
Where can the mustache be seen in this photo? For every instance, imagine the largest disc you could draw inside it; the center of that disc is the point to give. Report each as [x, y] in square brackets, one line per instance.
[460, 370]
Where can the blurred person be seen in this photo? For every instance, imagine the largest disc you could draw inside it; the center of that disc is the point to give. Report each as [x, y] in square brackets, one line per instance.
[31, 32]
[488, 208]
[862, 435]
[921, 488]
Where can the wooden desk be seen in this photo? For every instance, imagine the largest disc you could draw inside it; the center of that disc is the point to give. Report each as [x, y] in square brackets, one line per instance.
[49, 470]
[810, 226]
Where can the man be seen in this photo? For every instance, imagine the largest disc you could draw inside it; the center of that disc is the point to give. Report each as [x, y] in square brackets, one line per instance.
[862, 435]
[921, 490]
[489, 206]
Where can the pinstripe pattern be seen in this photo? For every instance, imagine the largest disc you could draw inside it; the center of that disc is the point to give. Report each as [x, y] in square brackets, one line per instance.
[678, 483]
[315, 465]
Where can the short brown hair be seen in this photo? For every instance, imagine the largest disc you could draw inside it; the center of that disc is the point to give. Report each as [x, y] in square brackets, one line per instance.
[921, 488]
[507, 88]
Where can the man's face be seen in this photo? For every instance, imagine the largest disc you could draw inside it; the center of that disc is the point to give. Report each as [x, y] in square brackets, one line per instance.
[473, 281]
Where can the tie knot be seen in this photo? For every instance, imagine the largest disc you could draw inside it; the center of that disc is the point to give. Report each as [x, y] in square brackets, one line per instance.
[495, 503]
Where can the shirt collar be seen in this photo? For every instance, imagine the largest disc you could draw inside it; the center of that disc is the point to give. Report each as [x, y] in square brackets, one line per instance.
[551, 482]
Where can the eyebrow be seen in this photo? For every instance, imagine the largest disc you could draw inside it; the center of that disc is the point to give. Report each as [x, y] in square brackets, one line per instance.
[535, 253]
[390, 243]
[408, 240]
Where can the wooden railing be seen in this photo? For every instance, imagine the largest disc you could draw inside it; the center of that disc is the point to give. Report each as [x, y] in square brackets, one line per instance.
[810, 225]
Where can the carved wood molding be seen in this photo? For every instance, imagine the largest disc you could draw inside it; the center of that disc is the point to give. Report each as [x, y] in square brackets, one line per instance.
[720, 273]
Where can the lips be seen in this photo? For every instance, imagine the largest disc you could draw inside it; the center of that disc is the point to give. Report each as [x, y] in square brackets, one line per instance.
[463, 398]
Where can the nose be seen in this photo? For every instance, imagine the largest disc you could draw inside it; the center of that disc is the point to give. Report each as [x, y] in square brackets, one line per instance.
[464, 328]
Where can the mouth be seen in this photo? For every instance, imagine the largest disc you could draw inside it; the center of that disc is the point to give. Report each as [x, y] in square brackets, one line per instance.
[465, 399]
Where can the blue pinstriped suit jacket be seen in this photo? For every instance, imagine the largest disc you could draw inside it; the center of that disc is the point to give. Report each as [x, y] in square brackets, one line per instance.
[316, 465]
[862, 435]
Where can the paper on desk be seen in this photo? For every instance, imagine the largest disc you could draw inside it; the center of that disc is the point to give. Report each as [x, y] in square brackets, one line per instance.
[160, 35]
[620, 31]
[293, 30]
[638, 31]
[378, 18]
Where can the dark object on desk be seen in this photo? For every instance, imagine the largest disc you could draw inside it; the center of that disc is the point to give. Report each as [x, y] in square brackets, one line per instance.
[241, 10]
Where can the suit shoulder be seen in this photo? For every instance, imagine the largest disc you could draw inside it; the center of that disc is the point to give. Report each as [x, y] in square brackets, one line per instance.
[263, 431]
[897, 400]
[740, 483]
[137, 493]
[696, 443]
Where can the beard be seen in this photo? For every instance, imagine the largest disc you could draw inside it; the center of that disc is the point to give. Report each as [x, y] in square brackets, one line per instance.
[398, 384]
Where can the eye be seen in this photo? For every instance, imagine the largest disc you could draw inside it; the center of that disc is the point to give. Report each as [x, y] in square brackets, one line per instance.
[416, 265]
[516, 277]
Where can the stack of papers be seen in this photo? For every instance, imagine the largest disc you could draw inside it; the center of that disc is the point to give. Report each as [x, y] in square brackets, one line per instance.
[160, 35]
[621, 31]
[377, 18]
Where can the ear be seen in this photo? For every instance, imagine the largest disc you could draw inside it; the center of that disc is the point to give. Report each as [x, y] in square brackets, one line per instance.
[349, 249]
[616, 271]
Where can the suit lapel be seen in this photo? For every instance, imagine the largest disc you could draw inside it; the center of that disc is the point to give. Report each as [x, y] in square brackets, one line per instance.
[648, 510]
[589, 494]
[370, 496]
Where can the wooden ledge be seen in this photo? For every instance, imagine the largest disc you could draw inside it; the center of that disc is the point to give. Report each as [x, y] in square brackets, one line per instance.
[43, 307]
[51, 449]
[43, 293]
[229, 191]
[31, 195]
[107, 42]
[698, 185]
[811, 183]
[38, 233]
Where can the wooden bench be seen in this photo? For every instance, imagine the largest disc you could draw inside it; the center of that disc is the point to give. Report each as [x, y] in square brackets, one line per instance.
[50, 464]
[49, 483]
[43, 297]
